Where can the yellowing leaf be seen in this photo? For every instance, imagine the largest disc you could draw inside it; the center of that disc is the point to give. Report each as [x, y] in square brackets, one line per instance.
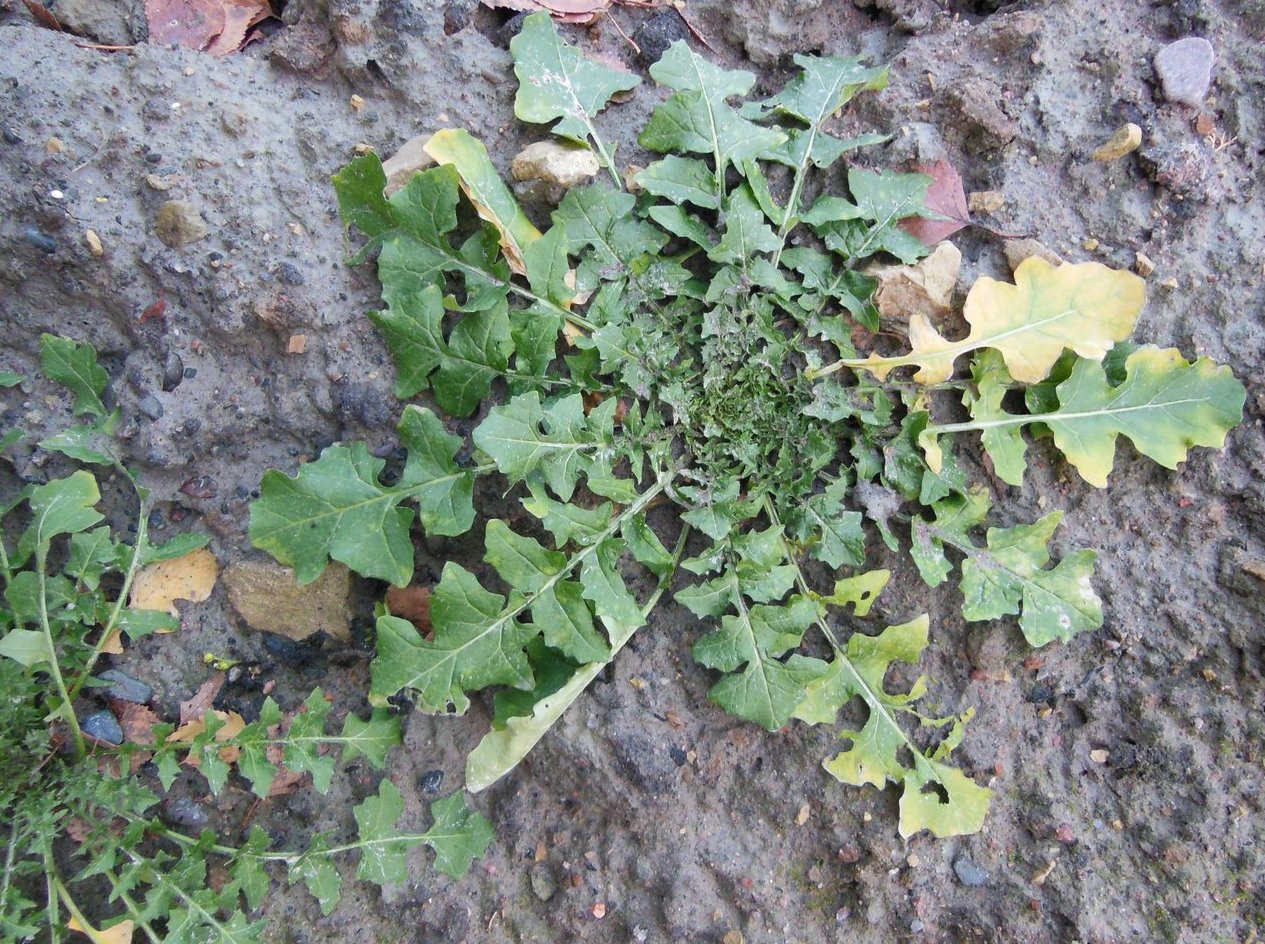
[233, 725]
[483, 186]
[190, 577]
[120, 933]
[1085, 307]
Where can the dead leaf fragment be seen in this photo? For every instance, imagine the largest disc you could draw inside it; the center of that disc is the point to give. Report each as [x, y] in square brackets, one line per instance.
[805, 811]
[945, 197]
[201, 701]
[43, 15]
[268, 598]
[925, 288]
[137, 722]
[234, 724]
[564, 11]
[120, 933]
[413, 604]
[191, 577]
[215, 26]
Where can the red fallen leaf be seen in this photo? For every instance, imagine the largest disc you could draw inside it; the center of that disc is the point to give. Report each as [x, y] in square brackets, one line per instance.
[946, 197]
[566, 11]
[43, 15]
[239, 17]
[201, 701]
[216, 26]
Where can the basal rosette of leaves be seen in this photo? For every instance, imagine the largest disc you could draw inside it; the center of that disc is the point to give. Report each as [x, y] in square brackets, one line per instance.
[691, 342]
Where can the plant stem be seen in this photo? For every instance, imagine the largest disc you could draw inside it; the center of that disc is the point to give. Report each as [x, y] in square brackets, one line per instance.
[67, 710]
[133, 909]
[138, 549]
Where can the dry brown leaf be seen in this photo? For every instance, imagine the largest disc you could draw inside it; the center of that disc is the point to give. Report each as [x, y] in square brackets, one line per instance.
[564, 11]
[201, 701]
[946, 197]
[239, 17]
[43, 15]
[188, 23]
[191, 577]
[137, 722]
[77, 829]
[114, 645]
[216, 26]
[413, 604]
[120, 933]
[285, 782]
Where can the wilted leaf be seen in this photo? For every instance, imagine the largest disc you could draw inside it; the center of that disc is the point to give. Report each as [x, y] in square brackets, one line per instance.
[879, 748]
[1085, 307]
[483, 186]
[202, 699]
[1164, 406]
[120, 933]
[158, 585]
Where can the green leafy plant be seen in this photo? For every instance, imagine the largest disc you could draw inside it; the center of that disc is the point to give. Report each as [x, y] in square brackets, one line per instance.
[83, 842]
[705, 341]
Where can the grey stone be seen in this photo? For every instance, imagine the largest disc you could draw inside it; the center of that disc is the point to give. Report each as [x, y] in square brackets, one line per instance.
[969, 873]
[150, 406]
[125, 688]
[179, 222]
[103, 726]
[1184, 69]
[543, 884]
[181, 810]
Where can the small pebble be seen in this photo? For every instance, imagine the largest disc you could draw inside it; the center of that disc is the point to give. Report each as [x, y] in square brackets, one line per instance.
[39, 239]
[200, 486]
[1184, 69]
[297, 344]
[184, 811]
[1126, 140]
[125, 688]
[10, 136]
[94, 243]
[173, 372]
[54, 145]
[969, 873]
[357, 102]
[288, 274]
[1143, 265]
[985, 201]
[179, 222]
[543, 884]
[150, 406]
[431, 781]
[103, 726]
[599, 910]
